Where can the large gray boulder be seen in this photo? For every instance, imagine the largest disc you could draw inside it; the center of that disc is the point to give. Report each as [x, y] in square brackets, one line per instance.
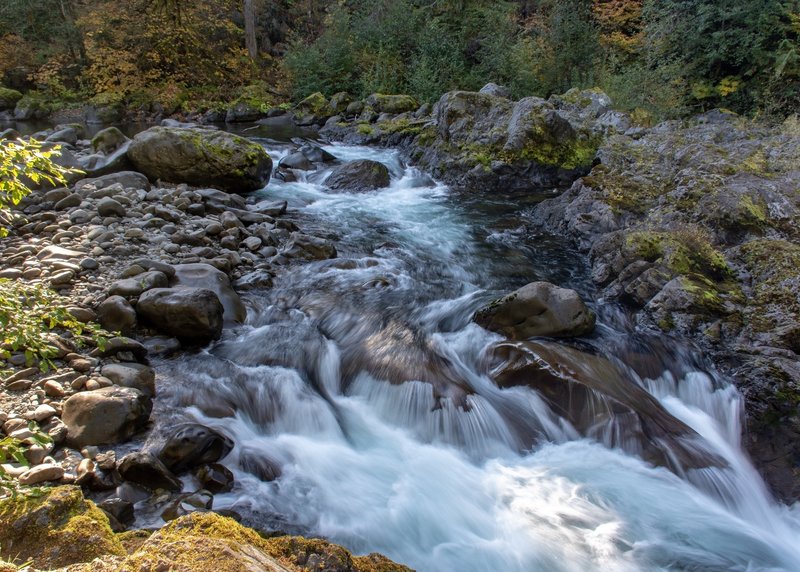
[200, 275]
[201, 157]
[359, 176]
[538, 309]
[193, 445]
[105, 416]
[193, 315]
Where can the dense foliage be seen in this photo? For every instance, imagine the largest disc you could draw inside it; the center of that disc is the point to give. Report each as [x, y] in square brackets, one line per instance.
[667, 57]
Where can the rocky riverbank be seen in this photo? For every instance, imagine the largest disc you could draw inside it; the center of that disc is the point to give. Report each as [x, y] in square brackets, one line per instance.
[160, 265]
[692, 225]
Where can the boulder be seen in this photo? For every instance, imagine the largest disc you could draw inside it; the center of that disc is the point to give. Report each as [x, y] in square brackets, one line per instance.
[296, 160]
[308, 247]
[9, 98]
[201, 157]
[200, 275]
[129, 374]
[129, 287]
[207, 541]
[193, 445]
[538, 309]
[128, 179]
[358, 176]
[601, 400]
[147, 470]
[193, 315]
[104, 416]
[496, 90]
[391, 103]
[54, 528]
[215, 478]
[116, 314]
[109, 140]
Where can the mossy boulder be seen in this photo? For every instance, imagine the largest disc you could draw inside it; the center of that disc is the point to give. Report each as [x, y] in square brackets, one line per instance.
[31, 106]
[210, 542]
[201, 157]
[314, 104]
[109, 140]
[54, 528]
[383, 103]
[105, 107]
[9, 98]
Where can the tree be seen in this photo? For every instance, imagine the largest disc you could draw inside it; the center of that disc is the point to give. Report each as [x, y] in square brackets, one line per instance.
[250, 29]
[22, 163]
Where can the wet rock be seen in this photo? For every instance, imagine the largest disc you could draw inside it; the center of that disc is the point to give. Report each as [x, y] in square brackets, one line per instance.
[109, 140]
[104, 416]
[121, 510]
[538, 309]
[116, 314]
[193, 445]
[201, 157]
[147, 470]
[391, 103]
[296, 160]
[359, 176]
[308, 247]
[193, 315]
[594, 394]
[188, 503]
[215, 478]
[200, 275]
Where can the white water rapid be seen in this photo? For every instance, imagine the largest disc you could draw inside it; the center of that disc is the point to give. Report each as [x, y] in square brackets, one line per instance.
[439, 468]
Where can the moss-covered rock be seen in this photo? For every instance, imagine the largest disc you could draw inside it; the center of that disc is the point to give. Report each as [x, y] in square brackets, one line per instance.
[202, 542]
[314, 104]
[8, 98]
[54, 528]
[383, 103]
[201, 157]
[31, 106]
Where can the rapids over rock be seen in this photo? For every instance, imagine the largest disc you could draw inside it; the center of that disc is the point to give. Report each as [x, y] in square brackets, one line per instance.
[367, 407]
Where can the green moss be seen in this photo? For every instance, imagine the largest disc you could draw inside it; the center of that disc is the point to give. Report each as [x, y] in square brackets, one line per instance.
[364, 129]
[9, 98]
[55, 529]
[314, 104]
[207, 542]
[685, 252]
[774, 305]
[392, 103]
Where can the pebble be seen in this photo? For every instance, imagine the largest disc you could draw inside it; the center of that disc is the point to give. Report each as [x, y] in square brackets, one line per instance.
[89, 264]
[62, 277]
[43, 412]
[53, 389]
[41, 474]
[91, 385]
[19, 385]
[79, 382]
[11, 273]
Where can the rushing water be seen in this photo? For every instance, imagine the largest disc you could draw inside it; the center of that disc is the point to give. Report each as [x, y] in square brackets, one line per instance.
[365, 385]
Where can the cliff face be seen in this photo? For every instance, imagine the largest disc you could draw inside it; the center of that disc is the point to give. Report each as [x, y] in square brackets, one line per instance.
[695, 226]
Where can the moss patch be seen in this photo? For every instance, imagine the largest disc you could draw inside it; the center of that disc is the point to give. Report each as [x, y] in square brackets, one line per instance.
[9, 98]
[54, 529]
[207, 542]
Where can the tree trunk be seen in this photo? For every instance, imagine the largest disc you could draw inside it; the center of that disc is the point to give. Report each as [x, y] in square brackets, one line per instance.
[250, 29]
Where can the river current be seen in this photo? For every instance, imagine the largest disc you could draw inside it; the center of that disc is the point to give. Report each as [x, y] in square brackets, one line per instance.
[363, 386]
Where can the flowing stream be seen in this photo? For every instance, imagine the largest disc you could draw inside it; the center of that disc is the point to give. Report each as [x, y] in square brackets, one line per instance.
[362, 384]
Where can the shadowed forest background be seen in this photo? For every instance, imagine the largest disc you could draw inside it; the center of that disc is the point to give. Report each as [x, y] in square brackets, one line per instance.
[666, 58]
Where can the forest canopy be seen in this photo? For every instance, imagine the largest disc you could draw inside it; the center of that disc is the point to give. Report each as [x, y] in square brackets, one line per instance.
[667, 57]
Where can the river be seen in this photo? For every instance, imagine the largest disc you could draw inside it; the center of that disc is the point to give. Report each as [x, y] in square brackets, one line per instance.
[362, 383]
